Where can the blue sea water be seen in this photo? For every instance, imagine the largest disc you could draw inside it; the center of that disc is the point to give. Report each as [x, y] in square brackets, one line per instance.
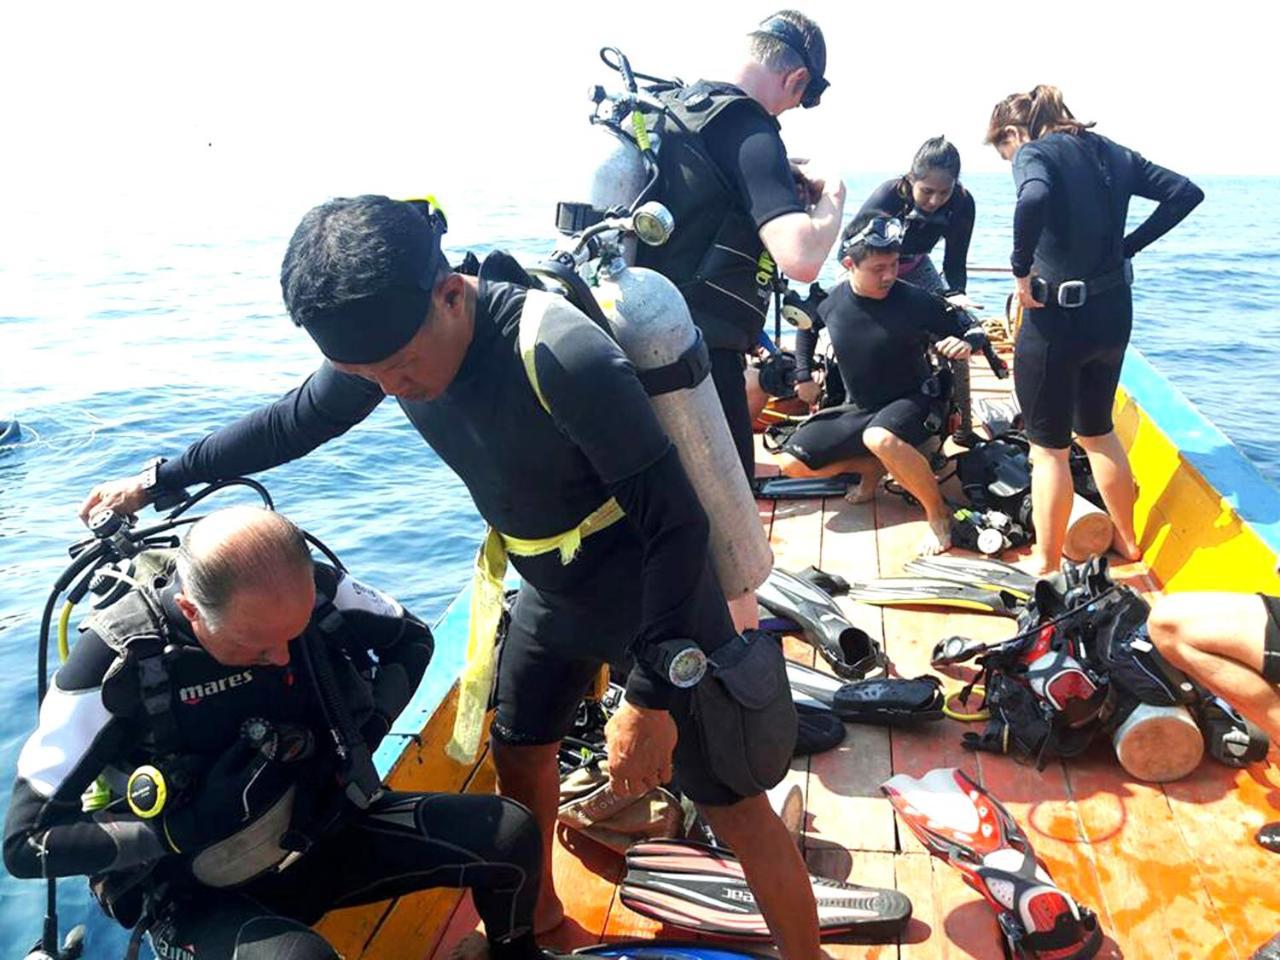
[137, 333]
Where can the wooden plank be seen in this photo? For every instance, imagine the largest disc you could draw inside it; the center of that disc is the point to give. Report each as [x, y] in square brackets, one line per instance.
[961, 925]
[586, 875]
[948, 920]
[1217, 810]
[845, 803]
[1153, 891]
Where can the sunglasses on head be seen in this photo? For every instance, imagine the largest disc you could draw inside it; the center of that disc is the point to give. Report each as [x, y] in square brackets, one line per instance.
[790, 34]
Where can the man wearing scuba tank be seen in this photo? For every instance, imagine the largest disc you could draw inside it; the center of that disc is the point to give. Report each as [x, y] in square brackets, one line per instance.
[882, 331]
[742, 210]
[207, 698]
[508, 385]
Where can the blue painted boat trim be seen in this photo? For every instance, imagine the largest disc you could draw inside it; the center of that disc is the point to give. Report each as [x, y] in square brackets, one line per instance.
[1255, 500]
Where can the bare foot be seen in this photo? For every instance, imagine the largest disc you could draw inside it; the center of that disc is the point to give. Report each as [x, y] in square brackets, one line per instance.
[548, 914]
[1128, 549]
[938, 539]
[474, 946]
[1038, 565]
[863, 492]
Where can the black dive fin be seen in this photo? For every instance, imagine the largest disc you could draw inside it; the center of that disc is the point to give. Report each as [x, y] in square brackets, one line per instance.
[850, 651]
[832, 583]
[802, 488]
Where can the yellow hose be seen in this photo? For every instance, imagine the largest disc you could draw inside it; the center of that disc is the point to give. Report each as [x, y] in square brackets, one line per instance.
[64, 647]
[955, 714]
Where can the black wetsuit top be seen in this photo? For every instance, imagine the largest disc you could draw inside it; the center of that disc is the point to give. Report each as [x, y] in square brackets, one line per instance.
[531, 475]
[87, 727]
[1073, 199]
[952, 221]
[751, 154]
[880, 345]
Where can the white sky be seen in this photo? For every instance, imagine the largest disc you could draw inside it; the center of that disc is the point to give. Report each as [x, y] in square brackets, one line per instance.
[323, 99]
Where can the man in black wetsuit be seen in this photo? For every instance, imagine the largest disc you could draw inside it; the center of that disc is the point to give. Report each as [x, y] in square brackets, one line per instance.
[882, 331]
[230, 721]
[367, 279]
[740, 207]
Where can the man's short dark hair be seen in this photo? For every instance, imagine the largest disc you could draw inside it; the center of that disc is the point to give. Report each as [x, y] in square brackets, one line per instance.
[352, 249]
[858, 252]
[780, 58]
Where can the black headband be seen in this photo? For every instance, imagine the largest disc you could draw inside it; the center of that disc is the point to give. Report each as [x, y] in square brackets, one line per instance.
[373, 328]
[783, 29]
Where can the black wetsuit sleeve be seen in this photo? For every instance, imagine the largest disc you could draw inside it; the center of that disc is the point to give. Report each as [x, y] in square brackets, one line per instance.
[1177, 197]
[938, 320]
[326, 405]
[400, 643]
[45, 832]
[582, 372]
[959, 233]
[806, 346]
[885, 198]
[747, 149]
[1034, 181]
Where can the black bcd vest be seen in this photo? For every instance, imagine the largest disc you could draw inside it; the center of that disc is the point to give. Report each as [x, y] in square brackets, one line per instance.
[715, 255]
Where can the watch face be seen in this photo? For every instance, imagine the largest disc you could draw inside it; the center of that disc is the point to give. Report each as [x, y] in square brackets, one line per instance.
[687, 667]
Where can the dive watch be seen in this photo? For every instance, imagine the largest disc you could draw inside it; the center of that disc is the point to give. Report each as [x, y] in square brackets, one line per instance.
[682, 662]
[150, 476]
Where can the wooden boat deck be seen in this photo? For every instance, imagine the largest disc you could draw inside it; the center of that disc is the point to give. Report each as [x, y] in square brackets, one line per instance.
[1171, 870]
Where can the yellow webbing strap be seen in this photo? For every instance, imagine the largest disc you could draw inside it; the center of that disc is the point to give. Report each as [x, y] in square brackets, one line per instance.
[476, 682]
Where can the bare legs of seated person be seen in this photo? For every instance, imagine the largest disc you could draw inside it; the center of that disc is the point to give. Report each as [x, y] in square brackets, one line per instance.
[888, 453]
[1230, 643]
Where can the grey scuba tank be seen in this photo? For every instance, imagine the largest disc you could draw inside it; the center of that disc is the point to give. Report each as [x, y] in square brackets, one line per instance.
[651, 322]
[618, 172]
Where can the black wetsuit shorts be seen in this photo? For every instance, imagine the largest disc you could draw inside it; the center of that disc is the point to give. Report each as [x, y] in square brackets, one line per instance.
[405, 842]
[835, 434]
[1271, 640]
[557, 643]
[1067, 365]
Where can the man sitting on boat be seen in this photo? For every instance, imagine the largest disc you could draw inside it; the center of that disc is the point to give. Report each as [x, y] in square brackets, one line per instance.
[204, 698]
[566, 461]
[882, 331]
[1230, 642]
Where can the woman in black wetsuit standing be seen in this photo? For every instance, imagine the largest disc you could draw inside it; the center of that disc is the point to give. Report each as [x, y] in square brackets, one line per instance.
[1071, 263]
[933, 206]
